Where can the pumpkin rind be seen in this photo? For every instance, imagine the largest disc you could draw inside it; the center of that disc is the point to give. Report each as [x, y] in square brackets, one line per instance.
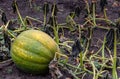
[33, 50]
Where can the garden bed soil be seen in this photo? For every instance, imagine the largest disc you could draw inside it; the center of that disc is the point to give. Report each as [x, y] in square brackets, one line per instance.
[65, 6]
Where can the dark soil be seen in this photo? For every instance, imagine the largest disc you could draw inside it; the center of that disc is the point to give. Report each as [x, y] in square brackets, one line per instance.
[64, 6]
[11, 72]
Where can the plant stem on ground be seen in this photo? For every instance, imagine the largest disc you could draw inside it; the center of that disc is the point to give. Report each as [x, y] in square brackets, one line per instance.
[94, 16]
[114, 70]
[55, 25]
[103, 49]
[55, 29]
[20, 16]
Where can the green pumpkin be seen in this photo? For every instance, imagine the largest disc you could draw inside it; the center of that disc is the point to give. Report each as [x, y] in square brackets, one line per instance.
[32, 51]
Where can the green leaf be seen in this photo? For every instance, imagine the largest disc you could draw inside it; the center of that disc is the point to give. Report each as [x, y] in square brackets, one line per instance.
[97, 65]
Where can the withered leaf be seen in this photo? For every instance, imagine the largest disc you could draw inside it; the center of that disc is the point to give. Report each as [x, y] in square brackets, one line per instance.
[76, 48]
[46, 8]
[4, 18]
